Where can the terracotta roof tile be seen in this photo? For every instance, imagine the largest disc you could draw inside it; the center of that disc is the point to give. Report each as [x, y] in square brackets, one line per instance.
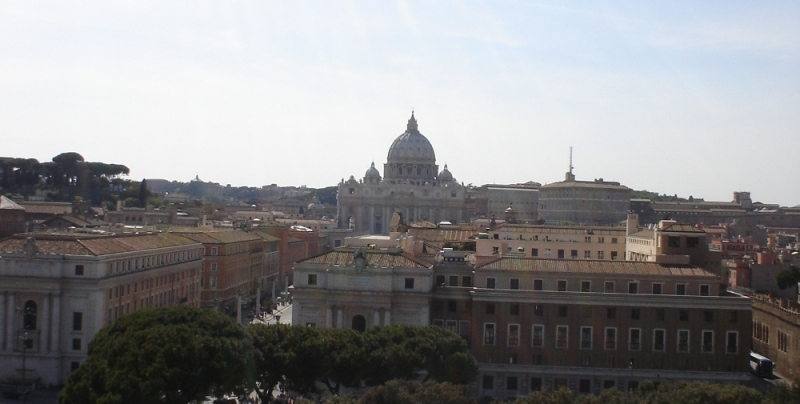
[94, 245]
[375, 259]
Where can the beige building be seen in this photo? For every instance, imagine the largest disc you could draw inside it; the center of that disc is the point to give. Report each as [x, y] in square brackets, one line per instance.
[590, 202]
[59, 290]
[545, 241]
[670, 242]
[411, 185]
[356, 288]
[524, 198]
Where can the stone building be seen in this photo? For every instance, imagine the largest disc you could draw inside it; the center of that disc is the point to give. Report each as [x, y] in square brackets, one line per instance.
[524, 198]
[412, 185]
[12, 217]
[533, 323]
[59, 290]
[589, 202]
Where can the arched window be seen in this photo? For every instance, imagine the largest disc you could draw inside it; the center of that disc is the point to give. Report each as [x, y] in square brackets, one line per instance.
[29, 315]
[359, 323]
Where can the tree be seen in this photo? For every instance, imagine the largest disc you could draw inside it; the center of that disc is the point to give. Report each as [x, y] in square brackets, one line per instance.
[406, 391]
[788, 277]
[405, 352]
[143, 193]
[168, 355]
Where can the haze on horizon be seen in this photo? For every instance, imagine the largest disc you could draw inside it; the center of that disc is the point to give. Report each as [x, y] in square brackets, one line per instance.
[687, 98]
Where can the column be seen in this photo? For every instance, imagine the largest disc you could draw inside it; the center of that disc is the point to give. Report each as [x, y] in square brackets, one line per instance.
[3, 319]
[340, 318]
[329, 318]
[388, 319]
[377, 318]
[55, 345]
[425, 316]
[12, 321]
[371, 219]
[45, 331]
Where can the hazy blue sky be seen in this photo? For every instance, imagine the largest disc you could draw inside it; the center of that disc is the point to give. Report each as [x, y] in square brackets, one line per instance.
[694, 98]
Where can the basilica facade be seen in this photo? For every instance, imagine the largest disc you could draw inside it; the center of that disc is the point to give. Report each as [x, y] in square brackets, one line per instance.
[411, 185]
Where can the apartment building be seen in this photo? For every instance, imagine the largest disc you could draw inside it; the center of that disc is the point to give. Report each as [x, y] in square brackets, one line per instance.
[58, 290]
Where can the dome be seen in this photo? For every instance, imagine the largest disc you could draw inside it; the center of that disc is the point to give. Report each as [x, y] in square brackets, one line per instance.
[445, 175]
[411, 147]
[372, 172]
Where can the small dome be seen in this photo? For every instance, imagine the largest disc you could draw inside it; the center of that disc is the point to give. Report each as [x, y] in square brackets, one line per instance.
[372, 172]
[445, 175]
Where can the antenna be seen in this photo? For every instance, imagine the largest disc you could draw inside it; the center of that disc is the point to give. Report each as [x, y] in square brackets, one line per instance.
[570, 160]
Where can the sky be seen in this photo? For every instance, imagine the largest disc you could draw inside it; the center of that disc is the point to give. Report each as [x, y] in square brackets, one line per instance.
[697, 98]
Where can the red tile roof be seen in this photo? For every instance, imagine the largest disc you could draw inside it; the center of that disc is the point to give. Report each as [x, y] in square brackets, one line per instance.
[93, 245]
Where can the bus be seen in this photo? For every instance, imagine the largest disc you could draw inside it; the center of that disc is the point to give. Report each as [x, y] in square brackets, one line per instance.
[760, 365]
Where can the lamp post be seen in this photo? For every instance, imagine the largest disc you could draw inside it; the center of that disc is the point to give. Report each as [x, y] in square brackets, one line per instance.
[630, 382]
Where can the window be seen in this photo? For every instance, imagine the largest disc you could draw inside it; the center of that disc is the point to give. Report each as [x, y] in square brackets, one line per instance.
[586, 337]
[683, 340]
[488, 334]
[659, 339]
[409, 283]
[451, 306]
[733, 317]
[466, 281]
[634, 339]
[213, 266]
[452, 326]
[680, 289]
[609, 287]
[633, 287]
[674, 242]
[511, 383]
[77, 321]
[636, 314]
[534, 252]
[705, 290]
[611, 338]
[513, 309]
[708, 342]
[601, 239]
[537, 336]
[708, 316]
[514, 284]
[214, 250]
[536, 384]
[586, 286]
[601, 255]
[562, 311]
[452, 280]
[562, 332]
[609, 384]
[657, 288]
[683, 315]
[585, 386]
[513, 335]
[613, 240]
[562, 285]
[587, 239]
[312, 279]
[76, 344]
[560, 254]
[495, 250]
[783, 341]
[537, 284]
[732, 342]
[29, 315]
[489, 308]
[660, 314]
[79, 270]
[573, 254]
[692, 242]
[587, 254]
[490, 283]
[488, 382]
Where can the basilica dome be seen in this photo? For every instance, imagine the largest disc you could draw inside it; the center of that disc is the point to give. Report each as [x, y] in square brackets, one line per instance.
[445, 175]
[411, 146]
[411, 157]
